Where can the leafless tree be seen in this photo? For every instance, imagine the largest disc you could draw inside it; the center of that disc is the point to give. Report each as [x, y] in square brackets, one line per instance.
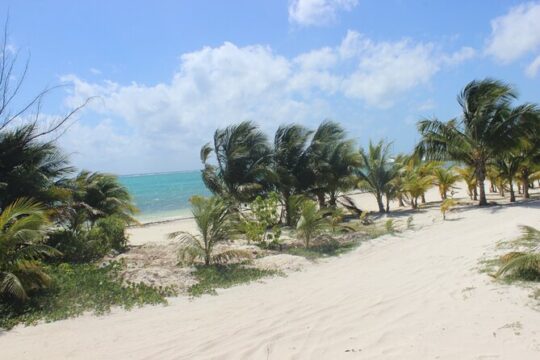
[11, 81]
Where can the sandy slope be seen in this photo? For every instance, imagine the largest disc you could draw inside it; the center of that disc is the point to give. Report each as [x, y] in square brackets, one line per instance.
[418, 295]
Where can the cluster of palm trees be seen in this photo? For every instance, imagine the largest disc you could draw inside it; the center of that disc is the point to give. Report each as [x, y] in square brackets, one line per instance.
[491, 138]
[41, 206]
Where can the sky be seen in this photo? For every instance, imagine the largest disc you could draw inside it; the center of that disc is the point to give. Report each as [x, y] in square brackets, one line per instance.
[163, 75]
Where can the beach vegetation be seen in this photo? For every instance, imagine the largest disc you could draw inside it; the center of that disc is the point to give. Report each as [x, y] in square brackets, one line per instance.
[313, 221]
[221, 276]
[75, 289]
[523, 264]
[447, 205]
[488, 126]
[213, 218]
[22, 230]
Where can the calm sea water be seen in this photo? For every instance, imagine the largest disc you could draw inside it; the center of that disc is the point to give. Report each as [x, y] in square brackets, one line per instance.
[164, 195]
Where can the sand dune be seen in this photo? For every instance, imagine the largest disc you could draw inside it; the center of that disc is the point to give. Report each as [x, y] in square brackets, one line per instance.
[416, 295]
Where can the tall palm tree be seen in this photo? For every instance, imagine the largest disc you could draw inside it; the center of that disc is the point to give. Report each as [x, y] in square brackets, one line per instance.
[289, 163]
[212, 216]
[329, 162]
[342, 159]
[529, 151]
[488, 126]
[242, 159]
[22, 229]
[376, 171]
[29, 167]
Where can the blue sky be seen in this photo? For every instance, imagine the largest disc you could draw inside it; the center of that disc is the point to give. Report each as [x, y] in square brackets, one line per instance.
[168, 73]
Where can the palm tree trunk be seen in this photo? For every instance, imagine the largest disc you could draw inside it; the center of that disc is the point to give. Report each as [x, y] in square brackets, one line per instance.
[481, 177]
[475, 194]
[380, 202]
[423, 198]
[512, 194]
[321, 199]
[287, 200]
[387, 204]
[525, 185]
[400, 199]
[332, 201]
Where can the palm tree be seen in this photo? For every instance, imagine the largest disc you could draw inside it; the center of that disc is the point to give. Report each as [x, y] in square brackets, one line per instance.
[341, 158]
[104, 196]
[28, 167]
[444, 178]
[329, 162]
[243, 156]
[467, 174]
[376, 171]
[212, 216]
[416, 185]
[529, 151]
[289, 162]
[22, 229]
[312, 222]
[488, 126]
[506, 166]
[523, 264]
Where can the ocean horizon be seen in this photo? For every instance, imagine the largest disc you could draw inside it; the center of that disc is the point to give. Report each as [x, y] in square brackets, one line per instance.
[164, 195]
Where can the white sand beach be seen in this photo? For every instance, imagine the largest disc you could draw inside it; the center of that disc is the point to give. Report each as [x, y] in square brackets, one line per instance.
[415, 295]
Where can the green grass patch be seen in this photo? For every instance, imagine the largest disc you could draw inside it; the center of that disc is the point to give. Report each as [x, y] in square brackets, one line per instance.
[77, 289]
[326, 250]
[213, 277]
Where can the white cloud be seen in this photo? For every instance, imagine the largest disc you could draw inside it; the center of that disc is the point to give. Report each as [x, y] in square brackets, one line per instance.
[387, 69]
[317, 12]
[533, 67]
[515, 33]
[149, 126]
[463, 54]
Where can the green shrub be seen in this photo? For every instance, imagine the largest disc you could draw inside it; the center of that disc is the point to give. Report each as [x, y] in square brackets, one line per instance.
[89, 245]
[224, 276]
[261, 224]
[112, 228]
[76, 289]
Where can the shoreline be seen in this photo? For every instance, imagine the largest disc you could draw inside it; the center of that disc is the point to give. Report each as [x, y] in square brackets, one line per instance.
[188, 216]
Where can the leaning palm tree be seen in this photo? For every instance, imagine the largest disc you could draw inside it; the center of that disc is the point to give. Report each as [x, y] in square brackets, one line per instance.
[444, 179]
[312, 222]
[29, 167]
[376, 171]
[22, 229]
[330, 159]
[242, 159]
[104, 195]
[488, 126]
[212, 216]
[289, 161]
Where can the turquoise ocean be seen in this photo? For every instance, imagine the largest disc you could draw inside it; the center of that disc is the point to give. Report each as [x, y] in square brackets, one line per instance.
[164, 195]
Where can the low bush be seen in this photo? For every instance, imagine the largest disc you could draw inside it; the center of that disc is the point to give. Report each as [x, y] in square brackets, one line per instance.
[84, 246]
[76, 289]
[213, 277]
